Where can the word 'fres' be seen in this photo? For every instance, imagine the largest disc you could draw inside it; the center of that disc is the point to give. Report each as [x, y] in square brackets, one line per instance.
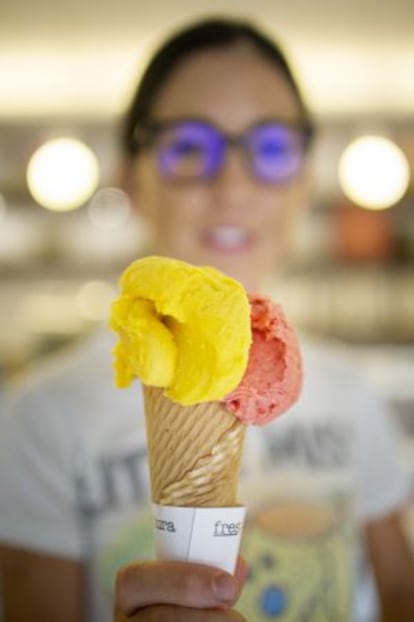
[226, 529]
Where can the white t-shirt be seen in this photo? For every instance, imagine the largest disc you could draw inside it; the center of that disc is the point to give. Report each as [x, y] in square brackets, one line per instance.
[74, 482]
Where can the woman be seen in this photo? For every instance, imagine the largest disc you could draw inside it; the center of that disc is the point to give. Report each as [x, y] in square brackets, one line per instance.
[217, 143]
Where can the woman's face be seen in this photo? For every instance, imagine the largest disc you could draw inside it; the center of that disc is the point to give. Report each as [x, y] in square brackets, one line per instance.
[233, 221]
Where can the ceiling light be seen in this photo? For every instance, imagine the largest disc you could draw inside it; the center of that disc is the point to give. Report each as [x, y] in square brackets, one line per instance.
[373, 172]
[62, 174]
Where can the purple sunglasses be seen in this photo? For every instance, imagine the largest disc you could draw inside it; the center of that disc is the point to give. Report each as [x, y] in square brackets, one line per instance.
[194, 149]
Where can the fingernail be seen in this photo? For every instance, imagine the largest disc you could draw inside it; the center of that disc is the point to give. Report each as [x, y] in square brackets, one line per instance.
[224, 588]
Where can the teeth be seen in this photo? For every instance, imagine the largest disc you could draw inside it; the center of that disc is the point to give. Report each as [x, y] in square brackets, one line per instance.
[228, 236]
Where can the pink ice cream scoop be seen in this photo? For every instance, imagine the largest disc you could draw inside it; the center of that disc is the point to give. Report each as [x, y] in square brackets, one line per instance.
[273, 378]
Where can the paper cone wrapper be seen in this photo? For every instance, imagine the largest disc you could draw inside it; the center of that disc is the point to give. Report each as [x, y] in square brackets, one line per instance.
[194, 455]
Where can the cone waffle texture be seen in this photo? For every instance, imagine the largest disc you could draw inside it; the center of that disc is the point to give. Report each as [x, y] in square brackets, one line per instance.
[194, 452]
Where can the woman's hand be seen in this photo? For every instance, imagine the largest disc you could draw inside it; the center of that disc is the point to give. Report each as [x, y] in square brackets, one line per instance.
[178, 592]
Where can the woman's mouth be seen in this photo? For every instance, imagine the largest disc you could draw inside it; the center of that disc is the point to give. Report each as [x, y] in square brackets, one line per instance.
[227, 239]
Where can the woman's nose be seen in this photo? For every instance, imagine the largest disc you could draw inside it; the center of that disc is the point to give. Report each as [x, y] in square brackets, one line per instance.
[234, 178]
[233, 192]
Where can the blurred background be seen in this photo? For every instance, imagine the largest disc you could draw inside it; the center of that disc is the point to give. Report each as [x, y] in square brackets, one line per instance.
[66, 230]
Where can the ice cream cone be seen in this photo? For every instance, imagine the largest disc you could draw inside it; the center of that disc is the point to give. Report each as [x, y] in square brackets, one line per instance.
[226, 360]
[194, 452]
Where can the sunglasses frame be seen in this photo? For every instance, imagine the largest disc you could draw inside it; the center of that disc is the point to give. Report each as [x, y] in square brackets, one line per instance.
[146, 134]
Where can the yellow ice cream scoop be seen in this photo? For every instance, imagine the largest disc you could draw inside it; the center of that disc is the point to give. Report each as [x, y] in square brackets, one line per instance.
[181, 327]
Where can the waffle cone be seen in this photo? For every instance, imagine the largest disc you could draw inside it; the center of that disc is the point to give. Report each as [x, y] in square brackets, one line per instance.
[194, 452]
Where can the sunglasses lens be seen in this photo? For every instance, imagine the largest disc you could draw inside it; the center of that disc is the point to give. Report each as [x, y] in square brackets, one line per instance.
[189, 150]
[276, 152]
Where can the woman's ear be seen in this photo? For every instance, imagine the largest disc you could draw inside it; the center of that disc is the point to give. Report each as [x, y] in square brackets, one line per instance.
[306, 184]
[123, 176]
[126, 179]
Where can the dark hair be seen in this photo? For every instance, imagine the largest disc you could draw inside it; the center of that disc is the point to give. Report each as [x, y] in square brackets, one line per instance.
[206, 34]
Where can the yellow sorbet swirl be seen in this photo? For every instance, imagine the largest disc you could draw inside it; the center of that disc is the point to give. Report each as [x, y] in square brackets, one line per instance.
[181, 327]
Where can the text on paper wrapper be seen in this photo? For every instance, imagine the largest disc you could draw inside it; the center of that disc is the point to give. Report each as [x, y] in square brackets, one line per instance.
[220, 528]
[226, 529]
[165, 525]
